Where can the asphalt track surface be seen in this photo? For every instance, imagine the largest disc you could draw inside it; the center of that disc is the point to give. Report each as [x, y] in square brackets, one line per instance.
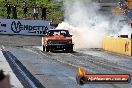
[58, 69]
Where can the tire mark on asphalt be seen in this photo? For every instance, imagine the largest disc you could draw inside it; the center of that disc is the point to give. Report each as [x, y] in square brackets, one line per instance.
[64, 62]
[85, 56]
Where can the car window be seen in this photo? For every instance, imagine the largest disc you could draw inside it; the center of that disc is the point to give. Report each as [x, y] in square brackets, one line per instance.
[65, 32]
[58, 32]
[50, 33]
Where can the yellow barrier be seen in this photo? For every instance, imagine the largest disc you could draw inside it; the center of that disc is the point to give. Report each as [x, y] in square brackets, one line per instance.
[118, 45]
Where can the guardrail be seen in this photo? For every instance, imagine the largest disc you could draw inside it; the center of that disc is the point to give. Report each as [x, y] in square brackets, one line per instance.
[118, 45]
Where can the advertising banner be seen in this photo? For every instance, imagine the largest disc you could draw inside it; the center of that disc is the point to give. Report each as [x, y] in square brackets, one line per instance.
[23, 27]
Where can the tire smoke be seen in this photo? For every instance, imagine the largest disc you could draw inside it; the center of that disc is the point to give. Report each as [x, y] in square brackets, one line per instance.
[88, 25]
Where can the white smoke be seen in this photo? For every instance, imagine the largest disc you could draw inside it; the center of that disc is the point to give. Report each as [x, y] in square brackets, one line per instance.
[88, 25]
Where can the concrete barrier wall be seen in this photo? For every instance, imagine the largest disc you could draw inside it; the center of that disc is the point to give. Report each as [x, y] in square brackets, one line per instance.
[118, 45]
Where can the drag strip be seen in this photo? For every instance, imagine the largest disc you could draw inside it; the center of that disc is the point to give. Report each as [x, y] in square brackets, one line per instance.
[50, 73]
[58, 69]
[25, 77]
[94, 64]
[86, 60]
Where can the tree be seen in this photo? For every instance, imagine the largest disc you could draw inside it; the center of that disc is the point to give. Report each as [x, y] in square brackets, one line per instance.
[53, 8]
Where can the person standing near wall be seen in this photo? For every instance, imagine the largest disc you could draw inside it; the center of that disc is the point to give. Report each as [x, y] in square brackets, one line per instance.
[35, 12]
[8, 9]
[43, 16]
[24, 10]
[14, 9]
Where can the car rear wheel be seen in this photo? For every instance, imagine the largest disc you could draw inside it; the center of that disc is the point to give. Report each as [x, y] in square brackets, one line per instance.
[43, 48]
[46, 49]
[69, 50]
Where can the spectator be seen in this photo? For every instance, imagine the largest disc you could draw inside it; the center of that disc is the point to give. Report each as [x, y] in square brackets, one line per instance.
[24, 10]
[35, 12]
[8, 9]
[43, 13]
[14, 9]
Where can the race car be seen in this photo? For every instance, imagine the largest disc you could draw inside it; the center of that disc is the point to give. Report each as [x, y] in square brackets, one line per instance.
[57, 39]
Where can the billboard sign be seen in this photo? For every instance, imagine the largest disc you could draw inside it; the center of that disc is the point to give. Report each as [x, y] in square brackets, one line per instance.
[23, 27]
